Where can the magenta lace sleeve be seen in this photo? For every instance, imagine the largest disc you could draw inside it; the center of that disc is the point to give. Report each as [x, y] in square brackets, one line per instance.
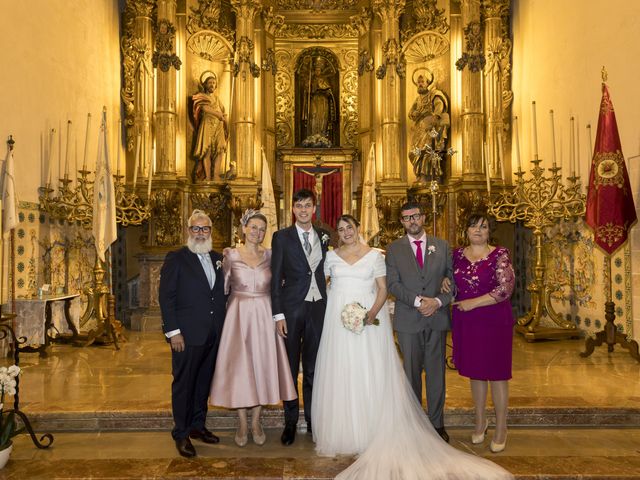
[504, 277]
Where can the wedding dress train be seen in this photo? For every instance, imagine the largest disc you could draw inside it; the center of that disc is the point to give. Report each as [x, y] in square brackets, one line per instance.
[362, 401]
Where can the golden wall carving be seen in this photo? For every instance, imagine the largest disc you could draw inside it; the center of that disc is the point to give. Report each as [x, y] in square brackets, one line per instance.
[316, 5]
[166, 207]
[316, 31]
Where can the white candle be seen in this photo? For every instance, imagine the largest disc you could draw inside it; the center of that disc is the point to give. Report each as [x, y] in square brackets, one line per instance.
[52, 136]
[573, 148]
[118, 147]
[60, 150]
[500, 155]
[553, 138]
[486, 166]
[590, 144]
[515, 131]
[135, 166]
[150, 176]
[577, 149]
[66, 152]
[42, 157]
[534, 130]
[75, 162]
[571, 145]
[86, 143]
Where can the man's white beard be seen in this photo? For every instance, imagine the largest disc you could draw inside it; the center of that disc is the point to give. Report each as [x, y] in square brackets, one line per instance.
[199, 247]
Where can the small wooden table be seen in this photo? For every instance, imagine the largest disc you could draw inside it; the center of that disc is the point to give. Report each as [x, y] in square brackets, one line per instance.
[34, 306]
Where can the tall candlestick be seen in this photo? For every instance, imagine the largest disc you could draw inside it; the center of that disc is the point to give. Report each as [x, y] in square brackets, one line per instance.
[135, 166]
[515, 131]
[486, 166]
[86, 143]
[534, 129]
[66, 151]
[52, 136]
[118, 147]
[553, 139]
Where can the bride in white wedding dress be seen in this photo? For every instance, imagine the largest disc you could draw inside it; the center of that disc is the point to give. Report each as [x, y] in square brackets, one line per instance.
[362, 402]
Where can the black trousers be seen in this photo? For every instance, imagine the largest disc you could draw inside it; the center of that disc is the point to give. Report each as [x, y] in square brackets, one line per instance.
[192, 373]
[304, 327]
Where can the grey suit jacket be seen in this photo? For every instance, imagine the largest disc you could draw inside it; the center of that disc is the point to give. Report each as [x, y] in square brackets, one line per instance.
[405, 281]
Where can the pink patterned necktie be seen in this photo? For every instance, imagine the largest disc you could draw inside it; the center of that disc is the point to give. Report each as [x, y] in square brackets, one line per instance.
[419, 256]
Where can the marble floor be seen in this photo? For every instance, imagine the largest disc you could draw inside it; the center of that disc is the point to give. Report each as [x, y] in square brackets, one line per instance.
[570, 417]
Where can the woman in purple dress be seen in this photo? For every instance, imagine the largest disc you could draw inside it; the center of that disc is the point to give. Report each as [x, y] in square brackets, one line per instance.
[482, 325]
[252, 368]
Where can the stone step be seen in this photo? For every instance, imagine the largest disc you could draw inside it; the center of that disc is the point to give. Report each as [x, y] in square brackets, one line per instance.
[222, 419]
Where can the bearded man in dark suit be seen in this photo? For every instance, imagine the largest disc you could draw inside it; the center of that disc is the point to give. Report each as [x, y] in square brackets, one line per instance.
[192, 302]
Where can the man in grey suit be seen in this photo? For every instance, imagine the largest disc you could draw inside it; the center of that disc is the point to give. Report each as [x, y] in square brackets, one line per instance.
[416, 265]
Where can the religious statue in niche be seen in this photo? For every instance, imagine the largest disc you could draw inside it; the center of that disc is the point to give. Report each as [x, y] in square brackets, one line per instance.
[211, 130]
[317, 87]
[429, 134]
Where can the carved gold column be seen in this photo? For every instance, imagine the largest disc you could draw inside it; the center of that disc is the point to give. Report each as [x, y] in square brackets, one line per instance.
[390, 74]
[472, 116]
[166, 61]
[143, 81]
[243, 115]
[497, 51]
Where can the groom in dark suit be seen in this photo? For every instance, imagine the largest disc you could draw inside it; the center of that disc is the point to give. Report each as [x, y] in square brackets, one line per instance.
[192, 302]
[298, 300]
[416, 265]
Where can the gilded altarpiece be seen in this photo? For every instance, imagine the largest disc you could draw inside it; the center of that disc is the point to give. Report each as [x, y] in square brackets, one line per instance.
[396, 72]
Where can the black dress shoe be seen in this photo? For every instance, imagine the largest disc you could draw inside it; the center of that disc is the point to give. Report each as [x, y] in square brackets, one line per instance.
[185, 448]
[309, 431]
[205, 435]
[288, 435]
[443, 434]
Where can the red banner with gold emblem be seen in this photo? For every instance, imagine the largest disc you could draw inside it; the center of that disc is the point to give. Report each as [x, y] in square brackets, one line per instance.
[610, 209]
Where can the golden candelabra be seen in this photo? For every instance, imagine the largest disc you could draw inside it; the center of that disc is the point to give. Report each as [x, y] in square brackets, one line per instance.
[539, 202]
[75, 205]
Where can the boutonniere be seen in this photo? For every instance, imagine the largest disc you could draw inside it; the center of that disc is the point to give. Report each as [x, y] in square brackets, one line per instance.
[324, 239]
[218, 264]
[431, 249]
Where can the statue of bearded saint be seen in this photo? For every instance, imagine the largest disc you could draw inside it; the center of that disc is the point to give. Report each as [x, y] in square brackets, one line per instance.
[429, 113]
[212, 132]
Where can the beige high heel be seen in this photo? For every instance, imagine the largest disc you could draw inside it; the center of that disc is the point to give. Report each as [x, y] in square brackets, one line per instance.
[259, 438]
[498, 447]
[477, 438]
[241, 440]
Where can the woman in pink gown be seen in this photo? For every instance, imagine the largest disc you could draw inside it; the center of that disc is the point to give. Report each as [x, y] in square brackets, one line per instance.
[252, 368]
[482, 325]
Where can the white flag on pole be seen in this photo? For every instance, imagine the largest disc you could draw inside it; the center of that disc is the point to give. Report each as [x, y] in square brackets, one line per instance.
[9, 201]
[268, 208]
[104, 203]
[368, 210]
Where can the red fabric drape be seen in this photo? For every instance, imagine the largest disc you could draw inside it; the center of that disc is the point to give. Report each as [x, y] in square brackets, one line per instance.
[330, 207]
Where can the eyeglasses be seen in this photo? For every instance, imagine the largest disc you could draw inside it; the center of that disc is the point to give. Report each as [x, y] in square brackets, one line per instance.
[198, 229]
[408, 218]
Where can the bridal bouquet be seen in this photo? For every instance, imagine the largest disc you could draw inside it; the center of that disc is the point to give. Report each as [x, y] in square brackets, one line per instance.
[354, 317]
